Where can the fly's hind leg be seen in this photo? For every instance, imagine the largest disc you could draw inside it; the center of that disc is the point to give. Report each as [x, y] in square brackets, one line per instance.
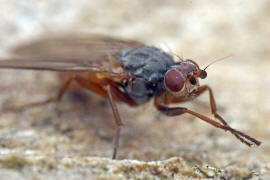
[57, 98]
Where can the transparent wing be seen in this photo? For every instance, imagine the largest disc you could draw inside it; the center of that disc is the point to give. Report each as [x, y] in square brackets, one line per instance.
[70, 52]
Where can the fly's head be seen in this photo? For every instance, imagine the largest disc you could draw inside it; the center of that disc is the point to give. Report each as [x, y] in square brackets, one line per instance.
[182, 79]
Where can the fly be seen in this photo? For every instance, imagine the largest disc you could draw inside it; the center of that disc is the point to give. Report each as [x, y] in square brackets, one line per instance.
[121, 71]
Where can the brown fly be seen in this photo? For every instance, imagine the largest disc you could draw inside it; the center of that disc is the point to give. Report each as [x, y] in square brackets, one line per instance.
[121, 71]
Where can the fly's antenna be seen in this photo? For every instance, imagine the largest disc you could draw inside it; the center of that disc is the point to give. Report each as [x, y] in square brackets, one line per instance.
[217, 60]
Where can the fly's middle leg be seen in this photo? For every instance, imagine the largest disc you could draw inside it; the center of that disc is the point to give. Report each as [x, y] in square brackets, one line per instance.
[110, 93]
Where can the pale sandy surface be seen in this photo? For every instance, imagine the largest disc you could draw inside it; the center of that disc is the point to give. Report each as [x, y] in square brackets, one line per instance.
[73, 140]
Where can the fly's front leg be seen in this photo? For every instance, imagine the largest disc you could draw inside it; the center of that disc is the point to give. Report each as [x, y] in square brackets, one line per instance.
[200, 91]
[175, 111]
[203, 89]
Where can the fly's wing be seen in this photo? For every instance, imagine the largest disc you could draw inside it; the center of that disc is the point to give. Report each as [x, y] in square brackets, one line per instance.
[70, 52]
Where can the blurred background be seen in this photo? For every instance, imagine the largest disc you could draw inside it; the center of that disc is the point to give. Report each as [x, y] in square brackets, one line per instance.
[81, 124]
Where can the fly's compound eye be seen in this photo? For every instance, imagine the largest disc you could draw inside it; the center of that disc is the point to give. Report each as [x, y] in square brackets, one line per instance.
[174, 80]
[203, 74]
[192, 80]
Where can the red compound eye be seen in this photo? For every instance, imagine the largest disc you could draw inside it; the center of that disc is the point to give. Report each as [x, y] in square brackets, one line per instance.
[174, 80]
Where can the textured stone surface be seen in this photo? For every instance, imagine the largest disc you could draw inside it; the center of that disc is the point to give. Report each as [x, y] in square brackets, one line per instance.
[73, 139]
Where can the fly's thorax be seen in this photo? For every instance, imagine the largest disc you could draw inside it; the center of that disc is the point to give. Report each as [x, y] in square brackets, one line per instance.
[149, 63]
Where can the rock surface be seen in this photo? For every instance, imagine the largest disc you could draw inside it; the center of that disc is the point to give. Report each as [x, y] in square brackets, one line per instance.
[73, 138]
